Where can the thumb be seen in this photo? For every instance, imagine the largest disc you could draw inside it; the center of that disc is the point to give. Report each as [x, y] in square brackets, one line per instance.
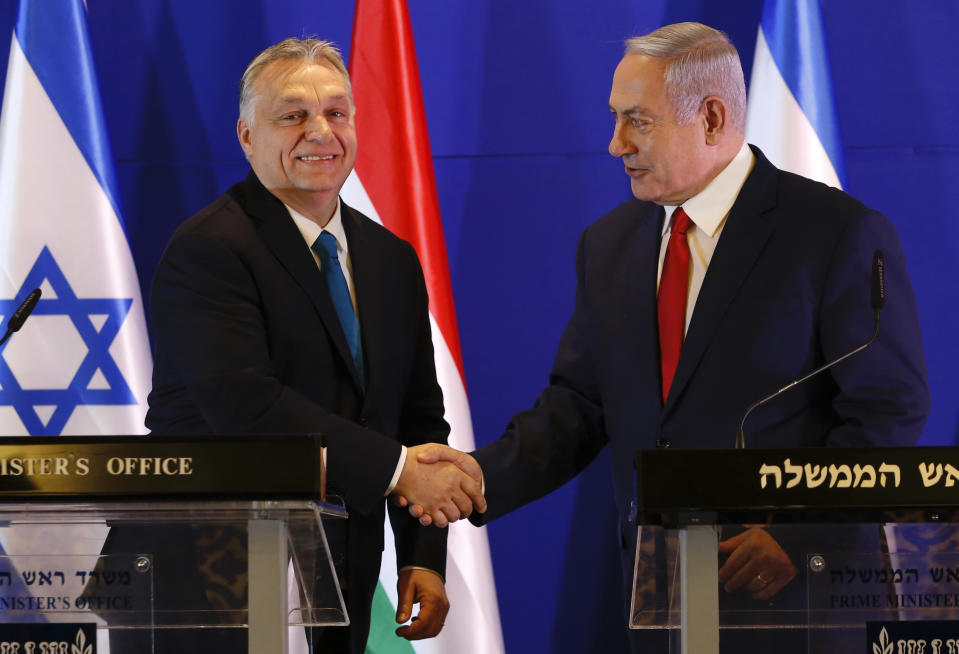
[730, 544]
[428, 456]
[433, 452]
[404, 602]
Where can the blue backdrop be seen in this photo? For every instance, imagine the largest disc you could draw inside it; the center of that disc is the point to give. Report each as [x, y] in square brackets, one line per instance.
[516, 96]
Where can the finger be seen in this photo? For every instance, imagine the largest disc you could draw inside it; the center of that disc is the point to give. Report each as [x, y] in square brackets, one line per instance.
[758, 584]
[439, 519]
[450, 511]
[736, 561]
[425, 625]
[744, 578]
[426, 520]
[475, 493]
[779, 578]
[416, 510]
[771, 589]
[429, 621]
[464, 504]
[399, 500]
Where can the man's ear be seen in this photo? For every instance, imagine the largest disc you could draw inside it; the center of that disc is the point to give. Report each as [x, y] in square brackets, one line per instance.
[714, 113]
[243, 136]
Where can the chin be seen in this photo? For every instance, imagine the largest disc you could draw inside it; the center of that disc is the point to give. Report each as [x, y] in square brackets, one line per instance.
[643, 193]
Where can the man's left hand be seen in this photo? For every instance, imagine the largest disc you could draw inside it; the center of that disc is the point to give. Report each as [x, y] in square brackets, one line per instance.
[756, 563]
[426, 588]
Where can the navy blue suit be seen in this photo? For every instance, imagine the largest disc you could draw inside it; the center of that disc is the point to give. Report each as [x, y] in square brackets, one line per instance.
[787, 289]
[248, 341]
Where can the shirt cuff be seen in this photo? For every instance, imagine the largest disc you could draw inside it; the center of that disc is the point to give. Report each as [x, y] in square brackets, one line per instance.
[397, 472]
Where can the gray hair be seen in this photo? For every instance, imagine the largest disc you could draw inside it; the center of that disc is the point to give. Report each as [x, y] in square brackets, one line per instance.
[312, 51]
[701, 61]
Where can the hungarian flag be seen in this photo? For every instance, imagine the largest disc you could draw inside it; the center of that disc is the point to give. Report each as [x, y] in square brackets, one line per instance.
[393, 183]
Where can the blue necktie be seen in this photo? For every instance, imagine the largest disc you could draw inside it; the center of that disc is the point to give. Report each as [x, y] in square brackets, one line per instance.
[325, 248]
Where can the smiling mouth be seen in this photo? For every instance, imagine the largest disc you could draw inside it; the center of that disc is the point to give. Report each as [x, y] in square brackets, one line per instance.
[312, 157]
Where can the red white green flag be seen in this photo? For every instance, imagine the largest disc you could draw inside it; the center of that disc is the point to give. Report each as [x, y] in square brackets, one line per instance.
[393, 183]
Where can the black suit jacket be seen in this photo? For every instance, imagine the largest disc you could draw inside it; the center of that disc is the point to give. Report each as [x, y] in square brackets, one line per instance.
[787, 289]
[247, 341]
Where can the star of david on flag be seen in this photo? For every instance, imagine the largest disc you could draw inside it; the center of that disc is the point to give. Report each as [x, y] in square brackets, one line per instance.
[81, 364]
[97, 380]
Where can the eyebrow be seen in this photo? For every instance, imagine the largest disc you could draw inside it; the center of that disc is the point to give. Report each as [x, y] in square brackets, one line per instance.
[300, 99]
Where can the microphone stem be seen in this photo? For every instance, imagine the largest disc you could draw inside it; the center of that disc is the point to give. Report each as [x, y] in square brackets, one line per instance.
[741, 436]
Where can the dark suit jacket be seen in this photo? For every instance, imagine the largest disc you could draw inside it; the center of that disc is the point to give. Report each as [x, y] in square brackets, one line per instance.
[787, 289]
[248, 341]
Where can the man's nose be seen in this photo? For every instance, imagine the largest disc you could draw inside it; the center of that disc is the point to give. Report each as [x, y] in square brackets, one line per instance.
[618, 145]
[318, 129]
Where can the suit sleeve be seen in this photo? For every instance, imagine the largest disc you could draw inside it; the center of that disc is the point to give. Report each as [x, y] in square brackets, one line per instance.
[883, 396]
[421, 421]
[548, 445]
[208, 321]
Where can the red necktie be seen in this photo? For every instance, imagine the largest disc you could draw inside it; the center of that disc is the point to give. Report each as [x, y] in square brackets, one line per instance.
[671, 302]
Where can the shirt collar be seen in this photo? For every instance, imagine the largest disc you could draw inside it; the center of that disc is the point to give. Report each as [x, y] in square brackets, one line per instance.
[310, 231]
[708, 207]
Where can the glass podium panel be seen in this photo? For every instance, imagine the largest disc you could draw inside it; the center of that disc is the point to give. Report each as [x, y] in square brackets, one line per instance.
[226, 571]
[865, 587]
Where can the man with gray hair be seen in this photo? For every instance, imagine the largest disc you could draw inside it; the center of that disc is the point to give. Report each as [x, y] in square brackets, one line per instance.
[724, 279]
[278, 309]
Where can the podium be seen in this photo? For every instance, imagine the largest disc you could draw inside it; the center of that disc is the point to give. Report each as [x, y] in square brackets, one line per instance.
[157, 544]
[872, 533]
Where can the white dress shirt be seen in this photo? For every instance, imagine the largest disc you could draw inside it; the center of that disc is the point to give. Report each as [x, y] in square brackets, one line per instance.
[708, 211]
[311, 231]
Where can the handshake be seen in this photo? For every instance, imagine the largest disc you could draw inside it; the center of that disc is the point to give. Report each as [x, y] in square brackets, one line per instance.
[440, 485]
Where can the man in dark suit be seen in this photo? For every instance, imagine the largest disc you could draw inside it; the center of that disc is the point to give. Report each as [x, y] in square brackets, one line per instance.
[722, 281]
[278, 309]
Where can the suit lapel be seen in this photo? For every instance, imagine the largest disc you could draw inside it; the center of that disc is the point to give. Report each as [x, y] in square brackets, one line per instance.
[281, 236]
[367, 281]
[642, 261]
[744, 235]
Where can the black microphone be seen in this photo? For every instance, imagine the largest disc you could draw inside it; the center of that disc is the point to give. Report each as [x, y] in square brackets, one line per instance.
[21, 314]
[878, 281]
[878, 299]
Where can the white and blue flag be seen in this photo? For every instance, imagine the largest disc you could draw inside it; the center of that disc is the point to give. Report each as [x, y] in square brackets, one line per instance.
[81, 364]
[791, 112]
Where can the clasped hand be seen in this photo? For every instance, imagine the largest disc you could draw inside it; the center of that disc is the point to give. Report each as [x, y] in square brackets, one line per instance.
[440, 485]
[756, 564]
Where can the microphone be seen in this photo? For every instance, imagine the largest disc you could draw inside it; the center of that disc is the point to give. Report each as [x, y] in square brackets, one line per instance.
[21, 314]
[877, 300]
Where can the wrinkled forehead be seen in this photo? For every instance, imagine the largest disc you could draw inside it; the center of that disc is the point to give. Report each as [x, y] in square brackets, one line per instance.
[290, 78]
[639, 81]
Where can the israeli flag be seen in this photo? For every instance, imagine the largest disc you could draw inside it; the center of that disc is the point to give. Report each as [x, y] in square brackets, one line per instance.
[791, 111]
[81, 364]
